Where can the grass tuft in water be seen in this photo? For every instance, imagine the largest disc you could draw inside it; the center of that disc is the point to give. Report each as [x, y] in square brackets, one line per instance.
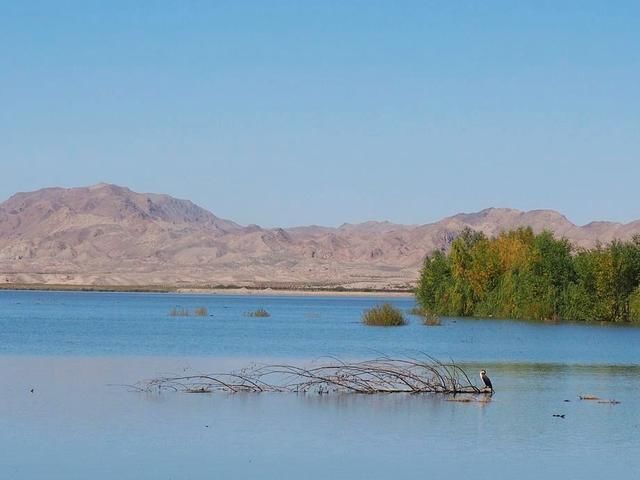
[431, 320]
[385, 315]
[184, 312]
[261, 312]
[428, 318]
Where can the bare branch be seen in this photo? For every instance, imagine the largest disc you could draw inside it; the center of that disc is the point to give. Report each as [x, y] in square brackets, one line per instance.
[380, 375]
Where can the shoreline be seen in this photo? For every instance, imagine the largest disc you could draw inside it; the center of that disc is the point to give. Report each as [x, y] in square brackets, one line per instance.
[217, 290]
[295, 292]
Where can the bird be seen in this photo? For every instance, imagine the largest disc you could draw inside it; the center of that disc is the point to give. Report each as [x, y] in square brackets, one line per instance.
[486, 380]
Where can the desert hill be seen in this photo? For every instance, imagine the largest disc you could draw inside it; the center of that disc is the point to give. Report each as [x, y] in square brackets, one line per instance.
[110, 235]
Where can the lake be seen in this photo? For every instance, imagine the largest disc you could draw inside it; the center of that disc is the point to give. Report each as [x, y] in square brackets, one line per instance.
[76, 351]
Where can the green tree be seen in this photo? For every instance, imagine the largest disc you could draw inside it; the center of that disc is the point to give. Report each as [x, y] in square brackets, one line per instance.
[435, 283]
[522, 275]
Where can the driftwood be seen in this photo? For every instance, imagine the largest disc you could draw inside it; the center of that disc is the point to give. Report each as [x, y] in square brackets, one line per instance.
[381, 375]
[598, 399]
[588, 397]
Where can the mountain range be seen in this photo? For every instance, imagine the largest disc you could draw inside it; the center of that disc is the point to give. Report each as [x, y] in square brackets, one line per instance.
[109, 235]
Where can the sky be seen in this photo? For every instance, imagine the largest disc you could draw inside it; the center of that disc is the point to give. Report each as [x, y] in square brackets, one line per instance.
[285, 113]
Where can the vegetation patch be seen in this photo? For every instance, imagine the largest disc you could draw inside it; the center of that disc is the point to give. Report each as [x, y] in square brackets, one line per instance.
[428, 318]
[521, 275]
[431, 320]
[185, 312]
[385, 315]
[261, 312]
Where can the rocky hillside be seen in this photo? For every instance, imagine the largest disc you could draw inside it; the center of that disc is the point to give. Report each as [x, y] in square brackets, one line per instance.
[110, 235]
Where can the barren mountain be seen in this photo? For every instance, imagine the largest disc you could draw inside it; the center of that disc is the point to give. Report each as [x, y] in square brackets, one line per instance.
[110, 235]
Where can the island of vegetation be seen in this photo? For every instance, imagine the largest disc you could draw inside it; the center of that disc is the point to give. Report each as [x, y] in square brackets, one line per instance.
[521, 275]
[385, 315]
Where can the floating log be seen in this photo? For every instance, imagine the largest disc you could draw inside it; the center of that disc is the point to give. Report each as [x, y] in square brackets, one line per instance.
[588, 397]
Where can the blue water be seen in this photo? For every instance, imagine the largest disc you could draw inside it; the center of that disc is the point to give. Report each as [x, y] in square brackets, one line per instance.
[77, 350]
[78, 323]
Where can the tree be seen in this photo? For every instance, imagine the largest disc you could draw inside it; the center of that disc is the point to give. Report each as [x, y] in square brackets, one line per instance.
[519, 274]
[435, 283]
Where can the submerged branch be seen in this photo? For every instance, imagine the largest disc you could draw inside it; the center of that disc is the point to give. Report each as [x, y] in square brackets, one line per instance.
[380, 375]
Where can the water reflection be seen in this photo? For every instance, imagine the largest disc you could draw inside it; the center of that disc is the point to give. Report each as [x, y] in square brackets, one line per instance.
[80, 426]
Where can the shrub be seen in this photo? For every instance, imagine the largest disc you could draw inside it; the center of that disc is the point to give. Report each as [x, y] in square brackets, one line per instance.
[428, 318]
[385, 315]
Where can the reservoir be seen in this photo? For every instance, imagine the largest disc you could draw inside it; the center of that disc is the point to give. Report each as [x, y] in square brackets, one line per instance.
[80, 351]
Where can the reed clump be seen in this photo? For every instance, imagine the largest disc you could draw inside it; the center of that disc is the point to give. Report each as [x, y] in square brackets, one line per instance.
[431, 320]
[385, 315]
[428, 318]
[261, 313]
[185, 312]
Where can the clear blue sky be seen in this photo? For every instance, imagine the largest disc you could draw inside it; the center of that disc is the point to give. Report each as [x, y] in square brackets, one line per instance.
[288, 113]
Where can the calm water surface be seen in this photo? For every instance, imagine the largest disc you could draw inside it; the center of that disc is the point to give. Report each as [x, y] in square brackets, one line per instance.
[113, 324]
[72, 348]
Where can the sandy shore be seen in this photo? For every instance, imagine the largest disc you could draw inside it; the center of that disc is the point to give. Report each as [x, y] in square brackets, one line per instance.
[286, 293]
[311, 292]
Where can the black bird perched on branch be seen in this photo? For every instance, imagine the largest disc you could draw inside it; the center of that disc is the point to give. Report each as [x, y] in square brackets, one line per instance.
[486, 380]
